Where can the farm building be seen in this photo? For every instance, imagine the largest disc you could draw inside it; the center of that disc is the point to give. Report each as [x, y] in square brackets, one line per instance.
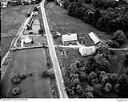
[94, 38]
[69, 39]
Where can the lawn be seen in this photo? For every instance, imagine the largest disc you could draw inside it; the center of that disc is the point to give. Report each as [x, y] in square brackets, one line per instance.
[11, 20]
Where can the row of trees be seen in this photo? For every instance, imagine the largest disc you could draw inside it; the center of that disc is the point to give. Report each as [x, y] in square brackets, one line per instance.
[92, 78]
[109, 20]
[20, 2]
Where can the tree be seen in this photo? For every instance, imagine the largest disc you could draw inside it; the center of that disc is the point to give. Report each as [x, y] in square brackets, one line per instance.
[90, 95]
[89, 89]
[102, 64]
[119, 37]
[126, 60]
[41, 31]
[16, 79]
[82, 76]
[79, 89]
[16, 91]
[92, 75]
[71, 9]
[107, 87]
[113, 44]
[35, 9]
[66, 3]
[114, 77]
[97, 15]
[123, 88]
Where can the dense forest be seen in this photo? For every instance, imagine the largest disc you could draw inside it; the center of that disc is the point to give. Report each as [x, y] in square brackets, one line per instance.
[106, 15]
[93, 78]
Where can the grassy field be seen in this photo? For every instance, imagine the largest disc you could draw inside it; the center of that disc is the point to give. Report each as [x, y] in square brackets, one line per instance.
[28, 61]
[11, 20]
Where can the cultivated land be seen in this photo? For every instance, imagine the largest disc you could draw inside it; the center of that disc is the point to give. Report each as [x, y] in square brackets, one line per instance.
[11, 20]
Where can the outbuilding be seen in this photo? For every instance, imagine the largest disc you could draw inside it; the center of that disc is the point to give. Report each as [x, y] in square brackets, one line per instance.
[94, 38]
[69, 39]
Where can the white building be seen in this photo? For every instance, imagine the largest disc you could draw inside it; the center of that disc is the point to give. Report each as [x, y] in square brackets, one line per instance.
[94, 38]
[69, 39]
[86, 51]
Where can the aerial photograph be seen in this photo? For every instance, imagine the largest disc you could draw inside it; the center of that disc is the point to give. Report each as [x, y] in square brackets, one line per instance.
[73, 49]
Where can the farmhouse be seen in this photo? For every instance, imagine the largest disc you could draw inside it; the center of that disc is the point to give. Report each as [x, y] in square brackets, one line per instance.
[69, 39]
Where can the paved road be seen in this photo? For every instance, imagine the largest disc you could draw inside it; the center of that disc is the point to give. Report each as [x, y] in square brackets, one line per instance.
[58, 74]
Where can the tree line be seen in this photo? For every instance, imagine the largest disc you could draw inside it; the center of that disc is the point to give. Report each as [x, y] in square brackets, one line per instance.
[106, 15]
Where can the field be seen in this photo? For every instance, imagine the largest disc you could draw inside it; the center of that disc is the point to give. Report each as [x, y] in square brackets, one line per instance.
[11, 20]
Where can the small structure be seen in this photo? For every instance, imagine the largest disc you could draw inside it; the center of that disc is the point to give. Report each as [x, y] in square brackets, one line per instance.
[69, 39]
[86, 51]
[25, 39]
[94, 38]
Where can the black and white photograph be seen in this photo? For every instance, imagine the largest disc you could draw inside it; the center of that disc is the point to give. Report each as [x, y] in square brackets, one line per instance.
[64, 49]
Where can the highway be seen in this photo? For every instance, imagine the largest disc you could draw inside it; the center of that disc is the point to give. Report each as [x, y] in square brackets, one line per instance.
[58, 74]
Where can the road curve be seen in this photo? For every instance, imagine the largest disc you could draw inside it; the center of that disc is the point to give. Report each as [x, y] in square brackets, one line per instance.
[58, 74]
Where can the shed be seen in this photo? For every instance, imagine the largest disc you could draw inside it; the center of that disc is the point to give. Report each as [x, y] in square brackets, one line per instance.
[94, 38]
[69, 39]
